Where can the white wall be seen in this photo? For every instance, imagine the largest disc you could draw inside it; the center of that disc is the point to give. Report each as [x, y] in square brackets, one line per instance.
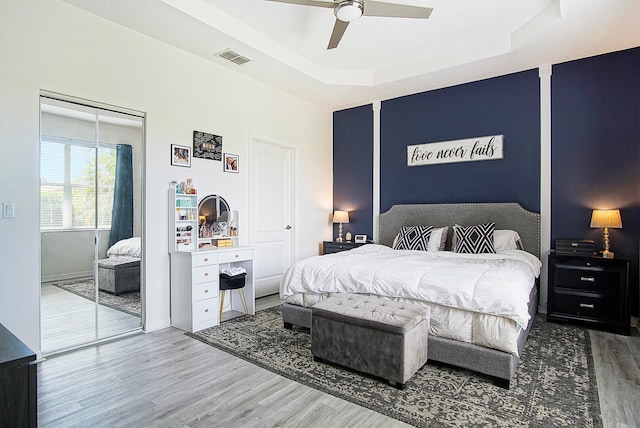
[50, 45]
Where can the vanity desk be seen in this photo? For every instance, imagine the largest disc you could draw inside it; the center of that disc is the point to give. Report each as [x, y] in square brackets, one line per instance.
[203, 240]
[195, 295]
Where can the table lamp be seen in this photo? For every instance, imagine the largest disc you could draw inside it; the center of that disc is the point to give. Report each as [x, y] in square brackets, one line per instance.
[607, 219]
[340, 217]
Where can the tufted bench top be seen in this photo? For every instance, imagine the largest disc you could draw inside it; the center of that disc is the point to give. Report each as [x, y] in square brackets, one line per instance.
[119, 262]
[372, 312]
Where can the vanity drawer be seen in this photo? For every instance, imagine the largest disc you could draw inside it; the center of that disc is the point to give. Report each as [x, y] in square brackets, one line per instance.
[204, 259]
[206, 290]
[204, 310]
[204, 274]
[235, 256]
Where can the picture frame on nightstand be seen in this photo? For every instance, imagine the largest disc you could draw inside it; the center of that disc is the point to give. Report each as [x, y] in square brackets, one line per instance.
[361, 239]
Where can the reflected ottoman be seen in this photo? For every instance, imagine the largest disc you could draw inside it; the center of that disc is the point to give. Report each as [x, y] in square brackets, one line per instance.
[119, 274]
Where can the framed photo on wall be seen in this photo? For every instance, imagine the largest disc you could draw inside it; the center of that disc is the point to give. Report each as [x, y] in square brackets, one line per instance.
[207, 146]
[180, 155]
[231, 163]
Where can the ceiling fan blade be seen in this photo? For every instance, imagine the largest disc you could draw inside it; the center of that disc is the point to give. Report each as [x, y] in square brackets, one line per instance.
[338, 31]
[375, 8]
[316, 3]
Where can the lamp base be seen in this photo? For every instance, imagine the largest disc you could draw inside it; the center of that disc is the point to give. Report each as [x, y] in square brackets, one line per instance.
[606, 254]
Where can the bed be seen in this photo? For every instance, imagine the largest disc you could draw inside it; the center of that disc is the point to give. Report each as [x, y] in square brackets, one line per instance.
[471, 347]
[120, 272]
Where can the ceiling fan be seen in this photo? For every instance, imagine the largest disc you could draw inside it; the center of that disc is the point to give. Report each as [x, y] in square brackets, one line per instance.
[350, 10]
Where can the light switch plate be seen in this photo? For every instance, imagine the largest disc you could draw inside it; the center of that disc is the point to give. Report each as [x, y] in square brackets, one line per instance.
[8, 210]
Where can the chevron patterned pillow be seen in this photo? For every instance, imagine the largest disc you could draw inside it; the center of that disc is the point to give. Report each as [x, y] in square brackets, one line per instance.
[413, 238]
[474, 239]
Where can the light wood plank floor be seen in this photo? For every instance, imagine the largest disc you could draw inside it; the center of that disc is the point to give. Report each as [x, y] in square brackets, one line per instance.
[166, 379]
[68, 320]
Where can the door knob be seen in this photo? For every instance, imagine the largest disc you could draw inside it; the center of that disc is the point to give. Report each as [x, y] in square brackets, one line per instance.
[288, 227]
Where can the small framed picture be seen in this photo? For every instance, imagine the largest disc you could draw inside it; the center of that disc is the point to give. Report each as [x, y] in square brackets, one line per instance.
[230, 163]
[180, 155]
[361, 239]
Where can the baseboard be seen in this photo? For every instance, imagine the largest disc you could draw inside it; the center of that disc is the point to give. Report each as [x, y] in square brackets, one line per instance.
[66, 276]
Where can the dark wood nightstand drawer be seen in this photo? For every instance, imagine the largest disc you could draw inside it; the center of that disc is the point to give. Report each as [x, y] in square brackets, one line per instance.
[330, 247]
[586, 277]
[595, 306]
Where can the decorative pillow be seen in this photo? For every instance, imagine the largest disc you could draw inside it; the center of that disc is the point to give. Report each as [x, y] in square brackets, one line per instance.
[126, 247]
[438, 239]
[504, 239]
[413, 238]
[476, 239]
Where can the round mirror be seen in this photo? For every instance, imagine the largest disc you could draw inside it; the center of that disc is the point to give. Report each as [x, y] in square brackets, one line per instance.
[213, 216]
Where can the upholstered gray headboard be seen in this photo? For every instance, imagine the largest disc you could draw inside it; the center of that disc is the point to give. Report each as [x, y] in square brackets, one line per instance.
[504, 215]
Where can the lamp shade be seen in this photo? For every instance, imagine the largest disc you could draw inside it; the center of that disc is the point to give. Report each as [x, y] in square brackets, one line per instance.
[606, 218]
[340, 216]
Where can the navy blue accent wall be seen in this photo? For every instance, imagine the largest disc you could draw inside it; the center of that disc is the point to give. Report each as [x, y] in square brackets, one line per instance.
[507, 105]
[596, 151]
[353, 168]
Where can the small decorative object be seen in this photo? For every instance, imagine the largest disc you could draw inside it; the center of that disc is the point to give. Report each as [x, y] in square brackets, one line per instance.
[361, 239]
[348, 236]
[607, 219]
[180, 156]
[230, 163]
[207, 146]
[340, 217]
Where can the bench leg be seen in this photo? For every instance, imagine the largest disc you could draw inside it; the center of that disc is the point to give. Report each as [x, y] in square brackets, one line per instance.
[288, 325]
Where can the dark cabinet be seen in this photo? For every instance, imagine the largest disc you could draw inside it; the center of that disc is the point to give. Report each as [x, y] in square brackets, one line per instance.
[18, 382]
[589, 290]
[329, 247]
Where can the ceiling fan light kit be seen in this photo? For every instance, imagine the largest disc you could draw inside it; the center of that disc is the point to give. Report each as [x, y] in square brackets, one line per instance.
[348, 11]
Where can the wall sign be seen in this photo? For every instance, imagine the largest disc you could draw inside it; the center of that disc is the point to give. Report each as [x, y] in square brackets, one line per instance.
[468, 150]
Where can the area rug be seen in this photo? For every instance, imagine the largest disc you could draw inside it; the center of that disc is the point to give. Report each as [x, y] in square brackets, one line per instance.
[127, 302]
[555, 384]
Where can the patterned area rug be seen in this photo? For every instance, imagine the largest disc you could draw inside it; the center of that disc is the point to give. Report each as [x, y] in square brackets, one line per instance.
[555, 384]
[126, 302]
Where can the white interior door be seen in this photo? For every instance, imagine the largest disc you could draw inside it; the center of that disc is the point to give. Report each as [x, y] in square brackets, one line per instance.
[271, 219]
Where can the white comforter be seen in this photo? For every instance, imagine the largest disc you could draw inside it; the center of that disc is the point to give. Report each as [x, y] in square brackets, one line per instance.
[494, 284]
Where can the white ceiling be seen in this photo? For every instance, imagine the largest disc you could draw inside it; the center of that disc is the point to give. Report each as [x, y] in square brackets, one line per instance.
[381, 58]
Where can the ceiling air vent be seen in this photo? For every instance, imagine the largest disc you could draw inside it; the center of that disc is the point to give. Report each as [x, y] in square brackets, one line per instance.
[232, 56]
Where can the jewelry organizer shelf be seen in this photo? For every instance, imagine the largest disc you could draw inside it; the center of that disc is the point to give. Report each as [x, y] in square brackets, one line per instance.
[183, 219]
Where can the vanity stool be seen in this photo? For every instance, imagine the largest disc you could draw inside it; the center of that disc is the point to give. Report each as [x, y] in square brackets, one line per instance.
[236, 282]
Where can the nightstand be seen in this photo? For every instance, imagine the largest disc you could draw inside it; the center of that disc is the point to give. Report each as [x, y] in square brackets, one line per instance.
[589, 290]
[329, 247]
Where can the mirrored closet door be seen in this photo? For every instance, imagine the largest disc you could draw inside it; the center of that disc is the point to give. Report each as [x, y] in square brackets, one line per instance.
[90, 222]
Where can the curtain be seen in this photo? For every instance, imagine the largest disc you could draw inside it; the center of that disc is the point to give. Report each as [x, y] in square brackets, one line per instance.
[122, 213]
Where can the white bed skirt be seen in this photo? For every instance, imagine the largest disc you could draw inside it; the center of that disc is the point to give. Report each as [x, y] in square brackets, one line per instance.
[485, 330]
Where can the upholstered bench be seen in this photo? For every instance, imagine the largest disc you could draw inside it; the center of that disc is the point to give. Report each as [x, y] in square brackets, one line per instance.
[372, 335]
[119, 274]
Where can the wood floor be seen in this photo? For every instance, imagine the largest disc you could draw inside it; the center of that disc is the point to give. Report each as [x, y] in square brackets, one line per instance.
[69, 320]
[166, 379]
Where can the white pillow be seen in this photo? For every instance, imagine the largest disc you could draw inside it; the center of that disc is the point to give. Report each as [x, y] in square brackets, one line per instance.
[438, 239]
[504, 239]
[126, 247]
